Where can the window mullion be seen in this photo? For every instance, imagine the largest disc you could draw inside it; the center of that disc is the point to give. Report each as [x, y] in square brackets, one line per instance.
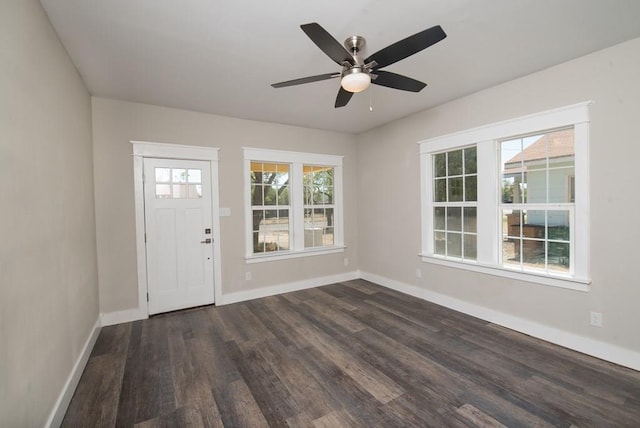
[296, 199]
[488, 227]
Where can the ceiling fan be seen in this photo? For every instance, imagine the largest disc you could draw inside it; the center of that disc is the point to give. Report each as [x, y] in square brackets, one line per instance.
[357, 72]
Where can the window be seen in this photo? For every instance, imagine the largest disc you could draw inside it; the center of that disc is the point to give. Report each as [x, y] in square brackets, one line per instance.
[270, 206]
[455, 188]
[318, 206]
[536, 211]
[293, 204]
[511, 198]
[178, 183]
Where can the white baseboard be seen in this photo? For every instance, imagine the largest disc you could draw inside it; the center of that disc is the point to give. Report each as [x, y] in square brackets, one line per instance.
[585, 345]
[595, 348]
[241, 296]
[119, 317]
[62, 403]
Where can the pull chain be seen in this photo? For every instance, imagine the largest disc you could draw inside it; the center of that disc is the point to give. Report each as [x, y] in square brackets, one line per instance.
[370, 98]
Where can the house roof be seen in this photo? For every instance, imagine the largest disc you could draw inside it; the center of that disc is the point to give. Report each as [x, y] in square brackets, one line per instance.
[554, 145]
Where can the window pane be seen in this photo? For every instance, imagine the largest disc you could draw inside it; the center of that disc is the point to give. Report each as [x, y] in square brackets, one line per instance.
[256, 172]
[471, 188]
[558, 225]
[454, 162]
[313, 228]
[282, 172]
[511, 251]
[195, 191]
[179, 175]
[327, 229]
[512, 171]
[258, 215]
[179, 190]
[508, 189]
[562, 184]
[470, 219]
[439, 244]
[455, 189]
[194, 176]
[438, 218]
[269, 195]
[258, 244]
[440, 165]
[283, 195]
[269, 230]
[440, 191]
[269, 171]
[163, 191]
[536, 186]
[558, 257]
[511, 221]
[323, 195]
[533, 253]
[534, 224]
[454, 244]
[318, 185]
[470, 247]
[470, 160]
[163, 175]
[454, 218]
[257, 197]
[281, 230]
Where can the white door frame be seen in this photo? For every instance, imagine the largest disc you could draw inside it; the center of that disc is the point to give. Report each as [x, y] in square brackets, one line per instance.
[145, 149]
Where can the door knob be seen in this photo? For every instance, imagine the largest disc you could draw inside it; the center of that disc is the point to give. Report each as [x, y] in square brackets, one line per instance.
[206, 241]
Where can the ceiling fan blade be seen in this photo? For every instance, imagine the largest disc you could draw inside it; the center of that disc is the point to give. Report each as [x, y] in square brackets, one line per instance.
[407, 47]
[397, 81]
[327, 43]
[306, 80]
[343, 97]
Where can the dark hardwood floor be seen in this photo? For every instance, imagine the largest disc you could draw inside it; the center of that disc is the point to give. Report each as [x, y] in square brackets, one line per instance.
[351, 354]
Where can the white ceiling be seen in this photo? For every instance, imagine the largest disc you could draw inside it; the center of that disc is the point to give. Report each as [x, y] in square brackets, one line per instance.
[220, 57]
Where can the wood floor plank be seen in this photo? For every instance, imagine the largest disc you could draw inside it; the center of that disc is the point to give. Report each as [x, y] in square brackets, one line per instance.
[101, 381]
[477, 417]
[376, 383]
[268, 388]
[147, 384]
[348, 354]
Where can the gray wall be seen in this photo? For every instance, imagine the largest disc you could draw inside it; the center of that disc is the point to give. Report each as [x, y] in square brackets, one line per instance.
[48, 275]
[115, 123]
[392, 207]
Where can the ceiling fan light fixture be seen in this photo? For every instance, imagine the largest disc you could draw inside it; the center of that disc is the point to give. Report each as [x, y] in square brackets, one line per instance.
[355, 80]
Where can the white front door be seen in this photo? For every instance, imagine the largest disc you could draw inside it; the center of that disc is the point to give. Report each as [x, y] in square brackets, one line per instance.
[178, 227]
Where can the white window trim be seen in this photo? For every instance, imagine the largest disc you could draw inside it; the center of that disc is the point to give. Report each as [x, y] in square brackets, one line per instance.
[297, 160]
[486, 139]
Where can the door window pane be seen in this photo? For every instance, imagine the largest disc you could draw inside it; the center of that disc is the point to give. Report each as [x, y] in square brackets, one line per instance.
[163, 191]
[194, 176]
[163, 175]
[178, 175]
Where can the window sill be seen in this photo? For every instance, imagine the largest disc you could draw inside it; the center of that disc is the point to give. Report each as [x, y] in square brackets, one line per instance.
[294, 254]
[554, 281]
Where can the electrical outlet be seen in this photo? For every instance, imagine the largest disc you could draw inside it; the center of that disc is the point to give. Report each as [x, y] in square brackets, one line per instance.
[346, 261]
[596, 319]
[247, 276]
[418, 273]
